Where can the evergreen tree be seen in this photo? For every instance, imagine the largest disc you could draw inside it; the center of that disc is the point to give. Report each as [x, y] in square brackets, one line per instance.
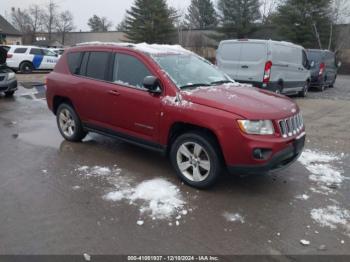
[201, 14]
[99, 24]
[238, 17]
[304, 22]
[150, 21]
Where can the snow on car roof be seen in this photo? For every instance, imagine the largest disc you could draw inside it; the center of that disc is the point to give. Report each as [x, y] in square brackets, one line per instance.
[153, 49]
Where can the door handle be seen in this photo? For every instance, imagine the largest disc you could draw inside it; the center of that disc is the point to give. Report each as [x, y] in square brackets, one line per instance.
[244, 66]
[113, 92]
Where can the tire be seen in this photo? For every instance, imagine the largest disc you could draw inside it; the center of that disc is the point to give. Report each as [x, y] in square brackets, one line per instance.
[196, 151]
[305, 90]
[26, 67]
[69, 123]
[321, 88]
[9, 93]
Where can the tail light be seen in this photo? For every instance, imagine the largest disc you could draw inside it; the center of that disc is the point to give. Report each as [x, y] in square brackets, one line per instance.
[9, 56]
[322, 66]
[267, 72]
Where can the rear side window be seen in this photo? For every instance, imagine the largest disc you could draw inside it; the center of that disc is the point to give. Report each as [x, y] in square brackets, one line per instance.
[20, 50]
[129, 70]
[251, 52]
[74, 62]
[98, 64]
[230, 51]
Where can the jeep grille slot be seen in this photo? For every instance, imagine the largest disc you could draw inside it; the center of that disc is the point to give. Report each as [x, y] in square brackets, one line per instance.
[291, 126]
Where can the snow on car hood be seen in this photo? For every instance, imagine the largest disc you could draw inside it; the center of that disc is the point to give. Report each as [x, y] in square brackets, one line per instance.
[248, 102]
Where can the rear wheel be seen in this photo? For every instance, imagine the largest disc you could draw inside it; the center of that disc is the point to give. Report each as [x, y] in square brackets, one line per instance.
[69, 123]
[26, 67]
[9, 93]
[305, 90]
[196, 159]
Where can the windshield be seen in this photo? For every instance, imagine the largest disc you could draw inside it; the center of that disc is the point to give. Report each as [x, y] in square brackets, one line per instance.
[188, 70]
[315, 56]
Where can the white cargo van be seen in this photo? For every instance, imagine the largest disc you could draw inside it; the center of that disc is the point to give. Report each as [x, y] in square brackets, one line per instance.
[277, 66]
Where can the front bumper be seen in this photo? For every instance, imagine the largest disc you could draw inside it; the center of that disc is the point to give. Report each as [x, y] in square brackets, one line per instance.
[279, 160]
[6, 86]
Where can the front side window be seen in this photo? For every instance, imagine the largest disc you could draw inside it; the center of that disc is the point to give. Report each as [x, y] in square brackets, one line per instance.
[36, 51]
[97, 66]
[188, 70]
[49, 52]
[128, 70]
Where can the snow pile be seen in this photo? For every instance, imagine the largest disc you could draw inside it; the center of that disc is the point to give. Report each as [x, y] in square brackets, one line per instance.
[331, 216]
[323, 167]
[233, 217]
[158, 198]
[154, 49]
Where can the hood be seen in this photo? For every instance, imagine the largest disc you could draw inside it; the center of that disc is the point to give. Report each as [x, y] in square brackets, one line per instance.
[3, 55]
[243, 100]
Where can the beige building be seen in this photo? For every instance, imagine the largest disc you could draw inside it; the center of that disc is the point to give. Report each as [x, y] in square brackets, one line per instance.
[8, 34]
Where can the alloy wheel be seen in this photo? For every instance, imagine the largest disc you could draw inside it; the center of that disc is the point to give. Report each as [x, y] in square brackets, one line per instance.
[67, 123]
[193, 161]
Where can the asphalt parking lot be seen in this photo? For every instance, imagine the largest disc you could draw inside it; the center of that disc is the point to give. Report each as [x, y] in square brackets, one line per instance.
[63, 198]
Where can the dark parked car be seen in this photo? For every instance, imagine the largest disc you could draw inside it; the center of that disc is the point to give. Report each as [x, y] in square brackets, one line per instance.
[8, 82]
[323, 68]
[168, 99]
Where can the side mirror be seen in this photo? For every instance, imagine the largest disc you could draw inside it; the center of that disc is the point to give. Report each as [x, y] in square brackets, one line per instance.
[312, 64]
[151, 83]
[339, 64]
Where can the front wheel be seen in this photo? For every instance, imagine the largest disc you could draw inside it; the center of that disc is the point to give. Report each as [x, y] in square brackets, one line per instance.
[69, 123]
[196, 159]
[9, 93]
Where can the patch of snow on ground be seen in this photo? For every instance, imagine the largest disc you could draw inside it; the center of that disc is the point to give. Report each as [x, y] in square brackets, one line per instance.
[234, 217]
[331, 216]
[158, 198]
[302, 197]
[323, 167]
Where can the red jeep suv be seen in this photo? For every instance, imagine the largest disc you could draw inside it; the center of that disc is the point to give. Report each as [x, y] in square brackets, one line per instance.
[170, 100]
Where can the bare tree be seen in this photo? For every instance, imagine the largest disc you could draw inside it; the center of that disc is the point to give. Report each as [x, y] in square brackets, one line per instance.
[35, 18]
[20, 20]
[50, 17]
[340, 12]
[267, 7]
[64, 24]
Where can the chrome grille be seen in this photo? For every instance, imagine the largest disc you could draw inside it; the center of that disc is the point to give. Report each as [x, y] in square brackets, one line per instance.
[291, 126]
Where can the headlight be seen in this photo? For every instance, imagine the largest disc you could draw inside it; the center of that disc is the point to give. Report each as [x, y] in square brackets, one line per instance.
[11, 76]
[256, 127]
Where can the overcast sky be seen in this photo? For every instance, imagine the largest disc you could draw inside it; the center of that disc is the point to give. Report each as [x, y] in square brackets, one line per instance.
[82, 10]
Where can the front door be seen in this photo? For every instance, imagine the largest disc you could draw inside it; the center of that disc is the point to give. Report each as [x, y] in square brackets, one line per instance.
[135, 111]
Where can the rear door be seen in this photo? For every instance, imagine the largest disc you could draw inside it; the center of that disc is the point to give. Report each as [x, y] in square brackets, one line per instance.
[228, 58]
[252, 62]
[93, 95]
[296, 70]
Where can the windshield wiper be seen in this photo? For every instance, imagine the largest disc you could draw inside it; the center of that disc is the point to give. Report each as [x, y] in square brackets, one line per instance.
[194, 85]
[221, 82]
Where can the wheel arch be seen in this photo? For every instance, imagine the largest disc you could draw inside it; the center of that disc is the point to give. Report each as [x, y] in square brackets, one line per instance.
[179, 128]
[58, 100]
